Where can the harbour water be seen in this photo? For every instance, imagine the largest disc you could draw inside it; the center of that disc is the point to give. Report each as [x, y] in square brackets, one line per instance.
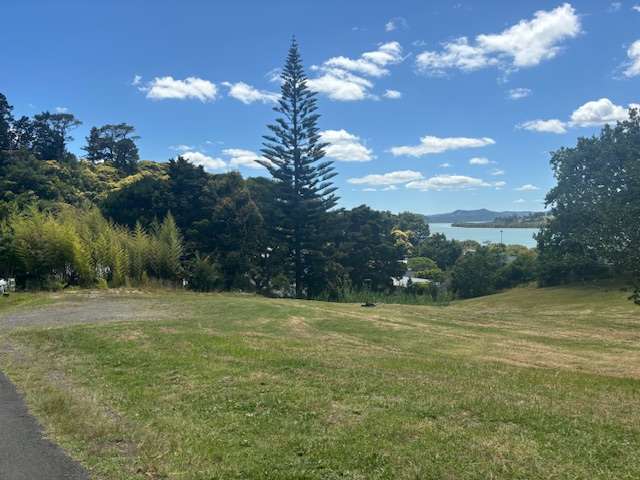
[519, 236]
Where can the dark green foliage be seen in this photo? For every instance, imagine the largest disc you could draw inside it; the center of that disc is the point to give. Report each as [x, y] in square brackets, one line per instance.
[595, 206]
[51, 132]
[191, 196]
[22, 134]
[431, 291]
[45, 136]
[270, 261]
[563, 258]
[415, 224]
[204, 275]
[140, 201]
[492, 268]
[215, 213]
[233, 230]
[474, 274]
[115, 145]
[6, 121]
[421, 263]
[24, 180]
[424, 267]
[293, 155]
[519, 270]
[367, 248]
[444, 252]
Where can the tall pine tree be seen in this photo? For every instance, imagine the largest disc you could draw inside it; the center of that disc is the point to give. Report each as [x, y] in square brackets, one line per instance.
[293, 155]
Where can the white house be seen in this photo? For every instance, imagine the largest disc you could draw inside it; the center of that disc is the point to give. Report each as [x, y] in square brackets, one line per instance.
[404, 281]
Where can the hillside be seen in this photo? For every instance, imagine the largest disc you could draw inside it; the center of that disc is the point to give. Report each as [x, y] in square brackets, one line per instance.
[534, 220]
[531, 383]
[481, 215]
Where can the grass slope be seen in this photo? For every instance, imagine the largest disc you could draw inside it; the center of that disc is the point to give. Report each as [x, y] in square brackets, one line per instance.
[529, 384]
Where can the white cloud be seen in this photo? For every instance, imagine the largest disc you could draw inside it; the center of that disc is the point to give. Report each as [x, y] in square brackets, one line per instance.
[389, 53]
[430, 145]
[248, 94]
[209, 163]
[547, 126]
[395, 24]
[525, 44]
[599, 112]
[457, 54]
[344, 79]
[239, 157]
[62, 110]
[391, 178]
[497, 172]
[518, 93]
[341, 85]
[369, 189]
[360, 66]
[137, 79]
[162, 88]
[389, 188]
[479, 161]
[633, 67]
[499, 185]
[520, 200]
[448, 182]
[591, 114]
[181, 148]
[274, 75]
[636, 8]
[345, 147]
[445, 165]
[527, 188]
[392, 94]
[615, 6]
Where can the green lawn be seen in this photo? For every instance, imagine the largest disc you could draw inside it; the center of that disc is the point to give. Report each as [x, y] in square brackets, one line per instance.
[529, 384]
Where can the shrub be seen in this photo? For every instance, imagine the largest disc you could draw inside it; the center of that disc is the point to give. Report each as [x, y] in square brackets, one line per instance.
[474, 274]
[204, 275]
[80, 247]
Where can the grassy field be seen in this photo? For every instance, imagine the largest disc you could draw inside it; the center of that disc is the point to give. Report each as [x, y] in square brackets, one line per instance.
[529, 384]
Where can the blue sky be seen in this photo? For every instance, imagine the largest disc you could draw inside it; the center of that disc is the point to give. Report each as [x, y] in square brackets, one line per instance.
[409, 91]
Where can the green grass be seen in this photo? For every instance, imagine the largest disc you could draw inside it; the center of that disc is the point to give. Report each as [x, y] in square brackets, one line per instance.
[528, 384]
[19, 301]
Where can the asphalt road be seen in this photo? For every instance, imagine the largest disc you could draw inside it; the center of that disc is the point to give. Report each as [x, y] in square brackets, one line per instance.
[24, 453]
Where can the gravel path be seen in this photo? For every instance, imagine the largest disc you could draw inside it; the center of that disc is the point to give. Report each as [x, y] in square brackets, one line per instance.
[24, 453]
[86, 309]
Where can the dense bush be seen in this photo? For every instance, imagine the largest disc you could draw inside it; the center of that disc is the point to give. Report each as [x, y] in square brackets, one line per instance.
[204, 275]
[523, 269]
[492, 268]
[594, 227]
[474, 274]
[423, 267]
[80, 247]
[444, 252]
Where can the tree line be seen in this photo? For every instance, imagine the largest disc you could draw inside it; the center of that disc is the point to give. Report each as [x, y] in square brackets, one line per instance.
[109, 219]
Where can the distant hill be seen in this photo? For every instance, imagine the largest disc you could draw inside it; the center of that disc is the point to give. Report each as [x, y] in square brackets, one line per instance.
[481, 215]
[535, 220]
